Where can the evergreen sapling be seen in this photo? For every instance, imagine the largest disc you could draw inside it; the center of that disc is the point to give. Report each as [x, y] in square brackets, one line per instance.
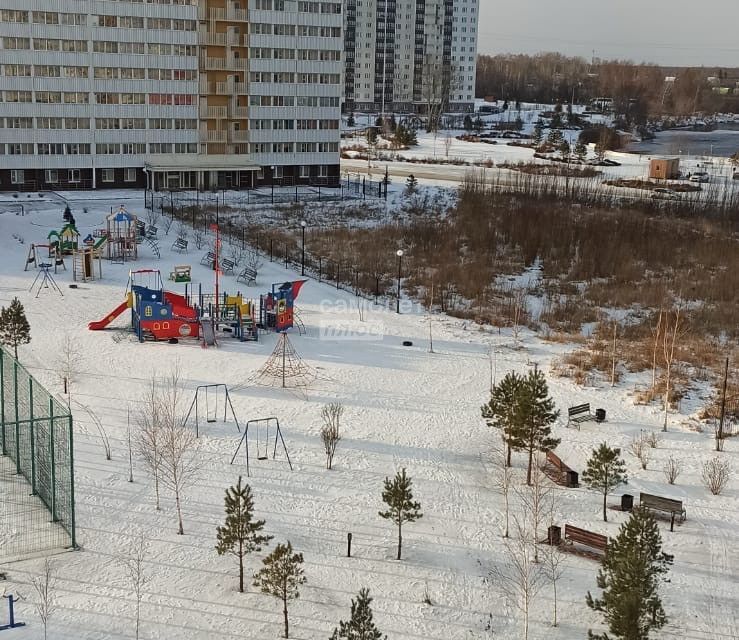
[240, 533]
[360, 626]
[605, 472]
[401, 507]
[14, 327]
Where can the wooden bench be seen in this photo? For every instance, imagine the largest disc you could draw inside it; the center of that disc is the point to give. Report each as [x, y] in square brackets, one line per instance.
[565, 475]
[179, 245]
[227, 266]
[247, 276]
[579, 413]
[586, 538]
[181, 273]
[208, 259]
[666, 505]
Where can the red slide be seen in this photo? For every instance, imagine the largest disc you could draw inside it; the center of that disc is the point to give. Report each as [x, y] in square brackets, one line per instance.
[101, 324]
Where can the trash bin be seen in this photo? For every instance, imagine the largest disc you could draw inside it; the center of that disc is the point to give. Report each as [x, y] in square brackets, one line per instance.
[554, 535]
[600, 415]
[571, 479]
[627, 502]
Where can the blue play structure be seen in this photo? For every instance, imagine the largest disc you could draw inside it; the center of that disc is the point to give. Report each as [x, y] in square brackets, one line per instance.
[276, 309]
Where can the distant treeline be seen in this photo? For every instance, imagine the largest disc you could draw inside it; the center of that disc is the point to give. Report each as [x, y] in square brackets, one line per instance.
[639, 91]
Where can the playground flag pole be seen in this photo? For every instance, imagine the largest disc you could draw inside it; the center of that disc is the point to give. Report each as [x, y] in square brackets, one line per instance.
[216, 262]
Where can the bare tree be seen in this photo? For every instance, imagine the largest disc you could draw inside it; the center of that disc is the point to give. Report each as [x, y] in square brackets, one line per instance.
[448, 141]
[135, 564]
[68, 362]
[179, 463]
[330, 436]
[715, 474]
[518, 310]
[652, 439]
[672, 333]
[517, 575]
[44, 586]
[657, 332]
[439, 80]
[504, 481]
[535, 502]
[672, 469]
[149, 437]
[640, 449]
[554, 561]
[198, 235]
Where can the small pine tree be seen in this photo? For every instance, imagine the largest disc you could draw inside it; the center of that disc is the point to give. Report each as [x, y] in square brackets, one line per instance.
[467, 123]
[564, 149]
[538, 134]
[14, 327]
[350, 121]
[240, 533]
[556, 122]
[360, 626]
[536, 414]
[281, 577]
[581, 151]
[502, 411]
[401, 507]
[371, 135]
[605, 472]
[411, 185]
[630, 577]
[570, 114]
[518, 123]
[479, 124]
[558, 108]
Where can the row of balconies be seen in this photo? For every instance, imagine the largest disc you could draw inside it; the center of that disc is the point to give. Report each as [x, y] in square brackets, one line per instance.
[224, 135]
[224, 64]
[229, 14]
[227, 88]
[225, 113]
[222, 39]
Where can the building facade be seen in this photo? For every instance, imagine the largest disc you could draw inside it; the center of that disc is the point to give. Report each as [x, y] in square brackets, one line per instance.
[410, 55]
[169, 93]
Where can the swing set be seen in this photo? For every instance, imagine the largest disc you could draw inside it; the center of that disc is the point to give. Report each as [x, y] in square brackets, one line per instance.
[207, 403]
[263, 428]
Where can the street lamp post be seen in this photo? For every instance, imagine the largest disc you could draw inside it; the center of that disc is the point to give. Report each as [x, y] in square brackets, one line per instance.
[303, 224]
[399, 253]
[272, 181]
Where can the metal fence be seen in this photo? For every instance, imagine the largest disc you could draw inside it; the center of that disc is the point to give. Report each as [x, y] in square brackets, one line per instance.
[36, 466]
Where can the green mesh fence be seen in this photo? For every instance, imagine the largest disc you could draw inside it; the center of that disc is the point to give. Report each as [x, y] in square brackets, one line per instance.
[36, 466]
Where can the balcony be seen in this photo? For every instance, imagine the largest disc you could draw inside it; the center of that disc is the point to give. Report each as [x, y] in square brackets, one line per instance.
[231, 14]
[239, 113]
[215, 113]
[223, 64]
[238, 136]
[219, 39]
[213, 135]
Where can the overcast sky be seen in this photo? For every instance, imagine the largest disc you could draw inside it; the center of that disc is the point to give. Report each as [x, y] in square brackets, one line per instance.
[669, 32]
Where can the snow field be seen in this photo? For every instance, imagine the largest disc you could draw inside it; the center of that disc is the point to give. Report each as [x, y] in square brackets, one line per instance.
[404, 407]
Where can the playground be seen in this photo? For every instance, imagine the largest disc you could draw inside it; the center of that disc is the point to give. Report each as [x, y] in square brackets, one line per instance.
[255, 407]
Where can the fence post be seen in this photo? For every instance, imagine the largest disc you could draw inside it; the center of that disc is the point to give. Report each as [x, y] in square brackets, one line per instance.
[2, 401]
[52, 452]
[73, 523]
[319, 269]
[17, 424]
[270, 249]
[33, 437]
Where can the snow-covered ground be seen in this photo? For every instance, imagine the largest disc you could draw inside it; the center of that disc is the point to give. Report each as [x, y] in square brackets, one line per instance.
[405, 407]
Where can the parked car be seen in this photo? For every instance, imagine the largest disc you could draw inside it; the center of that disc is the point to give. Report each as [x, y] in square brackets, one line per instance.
[699, 176]
[665, 194]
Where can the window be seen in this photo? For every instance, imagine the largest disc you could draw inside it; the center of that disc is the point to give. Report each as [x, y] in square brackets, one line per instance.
[20, 123]
[131, 47]
[107, 148]
[108, 175]
[16, 43]
[132, 73]
[131, 22]
[323, 171]
[107, 123]
[16, 176]
[77, 46]
[50, 149]
[76, 97]
[105, 72]
[159, 23]
[13, 15]
[74, 72]
[73, 175]
[105, 46]
[49, 97]
[77, 19]
[46, 17]
[76, 149]
[133, 148]
[106, 21]
[20, 149]
[133, 123]
[277, 172]
[184, 99]
[260, 173]
[304, 171]
[187, 123]
[45, 44]
[51, 176]
[185, 147]
[129, 175]
[106, 98]
[18, 70]
[160, 147]
[160, 123]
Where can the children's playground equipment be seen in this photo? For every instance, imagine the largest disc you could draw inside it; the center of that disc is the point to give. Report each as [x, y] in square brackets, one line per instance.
[121, 231]
[12, 623]
[47, 280]
[181, 273]
[262, 428]
[53, 253]
[207, 403]
[65, 240]
[277, 307]
[285, 367]
[83, 259]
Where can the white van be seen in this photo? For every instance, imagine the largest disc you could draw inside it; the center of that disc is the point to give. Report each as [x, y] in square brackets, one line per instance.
[699, 176]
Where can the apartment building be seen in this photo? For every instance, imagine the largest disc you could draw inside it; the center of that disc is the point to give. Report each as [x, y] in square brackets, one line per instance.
[169, 93]
[408, 55]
